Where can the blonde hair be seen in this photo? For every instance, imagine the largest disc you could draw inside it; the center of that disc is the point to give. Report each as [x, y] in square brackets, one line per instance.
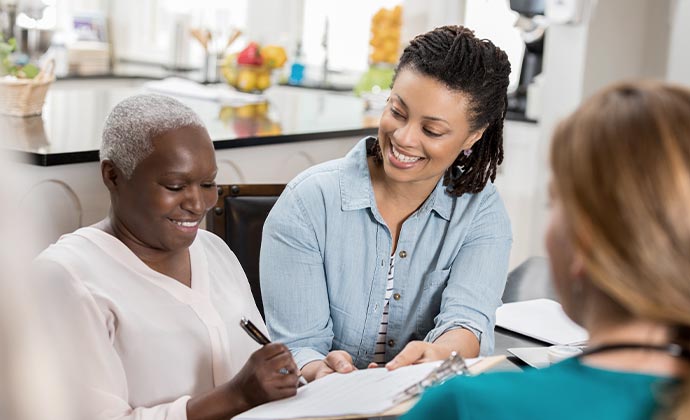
[621, 166]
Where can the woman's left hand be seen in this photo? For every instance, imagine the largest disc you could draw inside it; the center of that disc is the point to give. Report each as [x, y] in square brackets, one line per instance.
[418, 352]
[460, 340]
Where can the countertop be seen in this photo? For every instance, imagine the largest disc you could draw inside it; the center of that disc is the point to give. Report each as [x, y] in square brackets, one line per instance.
[69, 131]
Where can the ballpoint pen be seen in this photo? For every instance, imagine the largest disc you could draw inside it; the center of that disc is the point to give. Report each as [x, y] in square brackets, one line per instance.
[260, 338]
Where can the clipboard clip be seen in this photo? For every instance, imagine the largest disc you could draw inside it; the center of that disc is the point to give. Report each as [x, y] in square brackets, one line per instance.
[454, 365]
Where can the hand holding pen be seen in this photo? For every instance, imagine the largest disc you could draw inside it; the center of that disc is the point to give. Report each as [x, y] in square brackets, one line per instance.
[260, 338]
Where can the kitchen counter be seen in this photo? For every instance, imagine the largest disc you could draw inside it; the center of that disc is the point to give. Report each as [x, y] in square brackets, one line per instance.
[69, 131]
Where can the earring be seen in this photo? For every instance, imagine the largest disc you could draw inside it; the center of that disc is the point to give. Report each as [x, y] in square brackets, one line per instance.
[467, 152]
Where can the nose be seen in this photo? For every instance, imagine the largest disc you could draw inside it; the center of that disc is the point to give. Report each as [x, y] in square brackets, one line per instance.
[194, 201]
[404, 135]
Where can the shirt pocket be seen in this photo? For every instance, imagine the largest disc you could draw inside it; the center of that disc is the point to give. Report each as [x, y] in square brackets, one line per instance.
[430, 301]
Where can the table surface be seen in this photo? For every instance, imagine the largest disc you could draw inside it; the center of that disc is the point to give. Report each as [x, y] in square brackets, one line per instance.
[69, 131]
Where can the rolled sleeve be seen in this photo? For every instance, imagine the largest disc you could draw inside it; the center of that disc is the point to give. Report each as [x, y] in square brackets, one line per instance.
[477, 277]
[293, 280]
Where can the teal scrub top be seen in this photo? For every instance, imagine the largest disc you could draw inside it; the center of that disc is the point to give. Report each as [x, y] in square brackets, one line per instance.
[567, 390]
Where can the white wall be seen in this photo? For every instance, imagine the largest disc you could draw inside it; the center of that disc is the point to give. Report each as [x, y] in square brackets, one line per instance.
[678, 56]
[423, 15]
[616, 40]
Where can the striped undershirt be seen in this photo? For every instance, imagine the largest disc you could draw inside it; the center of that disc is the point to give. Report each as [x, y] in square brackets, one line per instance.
[380, 349]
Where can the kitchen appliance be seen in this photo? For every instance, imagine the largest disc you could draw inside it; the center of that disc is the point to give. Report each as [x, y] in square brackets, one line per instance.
[532, 25]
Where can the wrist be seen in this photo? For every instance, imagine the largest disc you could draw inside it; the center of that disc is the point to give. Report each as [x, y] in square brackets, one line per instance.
[221, 403]
[236, 400]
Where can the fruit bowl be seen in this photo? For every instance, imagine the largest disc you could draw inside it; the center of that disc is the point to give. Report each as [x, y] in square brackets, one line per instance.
[250, 70]
[247, 78]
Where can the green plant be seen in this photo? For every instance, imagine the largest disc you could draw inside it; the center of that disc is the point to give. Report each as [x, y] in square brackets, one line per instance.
[8, 65]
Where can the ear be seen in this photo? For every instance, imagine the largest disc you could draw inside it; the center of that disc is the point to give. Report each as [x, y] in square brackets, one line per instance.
[112, 176]
[577, 266]
[474, 137]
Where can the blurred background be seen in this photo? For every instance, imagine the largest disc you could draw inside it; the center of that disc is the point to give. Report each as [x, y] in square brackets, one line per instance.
[309, 70]
[281, 85]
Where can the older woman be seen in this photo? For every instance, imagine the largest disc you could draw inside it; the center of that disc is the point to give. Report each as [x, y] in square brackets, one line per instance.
[619, 245]
[148, 303]
[398, 252]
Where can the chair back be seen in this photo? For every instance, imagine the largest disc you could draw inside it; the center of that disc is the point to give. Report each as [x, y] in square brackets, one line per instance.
[530, 280]
[238, 218]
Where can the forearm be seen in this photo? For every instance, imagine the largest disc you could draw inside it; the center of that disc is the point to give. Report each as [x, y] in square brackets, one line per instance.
[460, 340]
[221, 403]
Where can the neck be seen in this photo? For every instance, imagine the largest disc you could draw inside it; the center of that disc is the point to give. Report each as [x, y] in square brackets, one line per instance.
[410, 193]
[173, 264]
[638, 331]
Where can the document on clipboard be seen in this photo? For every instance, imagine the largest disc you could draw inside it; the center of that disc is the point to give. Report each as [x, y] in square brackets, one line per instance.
[362, 393]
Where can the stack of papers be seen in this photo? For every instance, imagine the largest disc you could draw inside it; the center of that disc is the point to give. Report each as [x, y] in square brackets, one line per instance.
[224, 94]
[365, 392]
[542, 319]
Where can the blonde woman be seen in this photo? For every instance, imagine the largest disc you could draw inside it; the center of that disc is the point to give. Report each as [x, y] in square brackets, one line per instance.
[619, 244]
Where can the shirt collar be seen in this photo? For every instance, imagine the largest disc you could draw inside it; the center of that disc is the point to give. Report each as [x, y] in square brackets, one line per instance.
[356, 190]
[355, 182]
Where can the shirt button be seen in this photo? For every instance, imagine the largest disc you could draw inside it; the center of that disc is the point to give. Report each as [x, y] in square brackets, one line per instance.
[402, 254]
[391, 343]
[396, 296]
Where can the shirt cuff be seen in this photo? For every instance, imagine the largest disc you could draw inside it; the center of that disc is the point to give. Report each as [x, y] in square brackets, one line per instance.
[178, 408]
[305, 355]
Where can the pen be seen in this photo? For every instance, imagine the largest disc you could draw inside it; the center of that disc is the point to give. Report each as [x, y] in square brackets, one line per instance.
[260, 338]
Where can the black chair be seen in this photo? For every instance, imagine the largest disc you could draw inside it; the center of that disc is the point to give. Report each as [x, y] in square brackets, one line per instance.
[530, 280]
[238, 218]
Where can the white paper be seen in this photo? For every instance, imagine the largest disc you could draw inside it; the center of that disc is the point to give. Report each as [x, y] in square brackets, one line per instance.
[542, 319]
[537, 357]
[362, 392]
[219, 93]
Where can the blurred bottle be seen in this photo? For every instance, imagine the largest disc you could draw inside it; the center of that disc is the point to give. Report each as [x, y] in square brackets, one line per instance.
[58, 52]
[297, 68]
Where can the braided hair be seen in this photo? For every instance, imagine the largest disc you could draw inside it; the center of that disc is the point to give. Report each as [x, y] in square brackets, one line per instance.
[478, 69]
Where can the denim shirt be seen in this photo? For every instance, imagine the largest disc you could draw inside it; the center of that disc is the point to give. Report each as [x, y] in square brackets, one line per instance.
[325, 256]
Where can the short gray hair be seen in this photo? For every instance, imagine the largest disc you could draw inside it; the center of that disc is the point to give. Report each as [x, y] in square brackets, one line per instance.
[132, 125]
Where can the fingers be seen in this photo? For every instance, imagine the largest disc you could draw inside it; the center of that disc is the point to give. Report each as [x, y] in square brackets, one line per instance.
[272, 350]
[412, 353]
[323, 370]
[372, 365]
[340, 361]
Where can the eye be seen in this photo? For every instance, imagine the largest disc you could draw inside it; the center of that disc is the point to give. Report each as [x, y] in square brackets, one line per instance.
[431, 133]
[209, 185]
[174, 188]
[397, 114]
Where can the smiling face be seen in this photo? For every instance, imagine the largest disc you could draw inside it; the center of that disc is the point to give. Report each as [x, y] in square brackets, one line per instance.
[160, 207]
[423, 129]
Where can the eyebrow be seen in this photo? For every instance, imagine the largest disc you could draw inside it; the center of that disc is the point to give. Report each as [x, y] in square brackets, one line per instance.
[426, 117]
[183, 174]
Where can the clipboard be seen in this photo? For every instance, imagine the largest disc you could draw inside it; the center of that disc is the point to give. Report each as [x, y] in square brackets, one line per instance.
[426, 375]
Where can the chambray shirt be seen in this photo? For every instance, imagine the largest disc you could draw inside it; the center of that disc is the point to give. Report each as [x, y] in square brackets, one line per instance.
[324, 261]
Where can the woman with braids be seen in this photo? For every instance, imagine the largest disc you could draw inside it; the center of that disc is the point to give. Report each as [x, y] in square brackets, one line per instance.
[398, 252]
[619, 245]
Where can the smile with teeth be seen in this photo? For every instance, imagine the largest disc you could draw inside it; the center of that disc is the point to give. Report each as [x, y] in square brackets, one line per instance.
[404, 158]
[184, 223]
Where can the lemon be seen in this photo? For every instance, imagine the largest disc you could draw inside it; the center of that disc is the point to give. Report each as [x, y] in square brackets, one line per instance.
[246, 80]
[263, 81]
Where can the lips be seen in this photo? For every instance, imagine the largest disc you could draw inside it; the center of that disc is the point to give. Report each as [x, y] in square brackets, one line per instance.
[186, 225]
[402, 157]
[401, 160]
